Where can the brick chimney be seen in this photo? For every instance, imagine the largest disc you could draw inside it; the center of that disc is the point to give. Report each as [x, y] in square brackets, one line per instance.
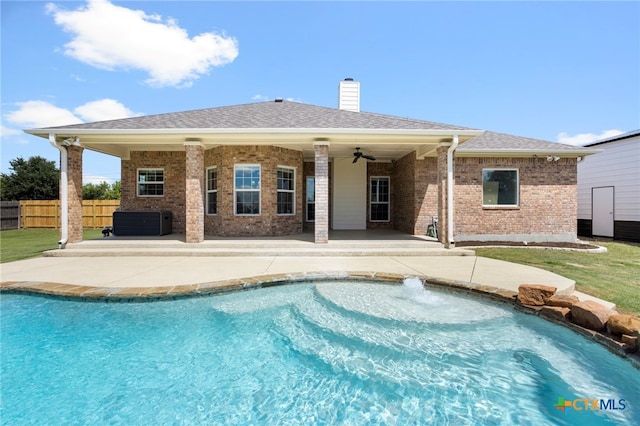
[349, 95]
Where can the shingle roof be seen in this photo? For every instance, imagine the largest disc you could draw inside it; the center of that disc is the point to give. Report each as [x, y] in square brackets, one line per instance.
[266, 115]
[489, 141]
[296, 115]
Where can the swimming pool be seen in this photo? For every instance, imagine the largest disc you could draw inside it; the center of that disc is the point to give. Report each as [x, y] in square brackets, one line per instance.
[310, 353]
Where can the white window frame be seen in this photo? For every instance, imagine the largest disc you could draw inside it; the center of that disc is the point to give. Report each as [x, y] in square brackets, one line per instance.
[236, 190]
[211, 191]
[499, 206]
[388, 202]
[291, 170]
[138, 182]
[306, 199]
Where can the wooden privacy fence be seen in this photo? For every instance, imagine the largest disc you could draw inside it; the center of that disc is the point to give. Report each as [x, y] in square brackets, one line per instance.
[9, 214]
[46, 213]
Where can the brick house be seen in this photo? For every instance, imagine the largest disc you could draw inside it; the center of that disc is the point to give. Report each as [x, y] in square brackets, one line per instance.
[280, 168]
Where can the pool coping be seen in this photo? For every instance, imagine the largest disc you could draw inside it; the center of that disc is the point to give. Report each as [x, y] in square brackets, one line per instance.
[87, 293]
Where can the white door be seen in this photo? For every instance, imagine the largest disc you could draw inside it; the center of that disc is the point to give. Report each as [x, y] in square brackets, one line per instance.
[602, 208]
[349, 194]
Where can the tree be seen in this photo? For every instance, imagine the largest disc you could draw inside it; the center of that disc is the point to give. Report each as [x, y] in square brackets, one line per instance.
[101, 191]
[115, 192]
[34, 179]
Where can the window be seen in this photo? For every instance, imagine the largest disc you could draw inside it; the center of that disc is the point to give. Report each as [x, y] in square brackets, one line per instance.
[212, 190]
[286, 190]
[379, 199]
[150, 182]
[311, 198]
[247, 190]
[500, 187]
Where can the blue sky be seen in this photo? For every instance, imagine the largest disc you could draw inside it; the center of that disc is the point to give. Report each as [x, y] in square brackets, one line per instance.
[559, 71]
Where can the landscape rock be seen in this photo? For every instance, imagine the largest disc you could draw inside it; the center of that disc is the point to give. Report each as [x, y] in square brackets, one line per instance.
[562, 300]
[534, 294]
[591, 315]
[623, 324]
[556, 312]
[632, 341]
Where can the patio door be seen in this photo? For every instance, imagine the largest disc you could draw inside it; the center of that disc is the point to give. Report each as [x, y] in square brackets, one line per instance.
[602, 211]
[349, 189]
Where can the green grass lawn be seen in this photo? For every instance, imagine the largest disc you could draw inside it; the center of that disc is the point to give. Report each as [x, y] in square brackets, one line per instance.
[612, 276]
[18, 244]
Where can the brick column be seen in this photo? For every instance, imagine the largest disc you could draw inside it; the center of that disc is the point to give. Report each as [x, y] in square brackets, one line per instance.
[322, 191]
[74, 188]
[442, 194]
[194, 193]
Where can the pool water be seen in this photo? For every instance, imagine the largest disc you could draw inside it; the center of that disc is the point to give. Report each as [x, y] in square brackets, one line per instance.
[310, 353]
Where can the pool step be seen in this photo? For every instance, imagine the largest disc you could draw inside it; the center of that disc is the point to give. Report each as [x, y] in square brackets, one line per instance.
[371, 347]
[367, 362]
[251, 244]
[341, 243]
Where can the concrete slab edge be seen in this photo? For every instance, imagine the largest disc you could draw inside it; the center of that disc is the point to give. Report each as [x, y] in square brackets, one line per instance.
[164, 293]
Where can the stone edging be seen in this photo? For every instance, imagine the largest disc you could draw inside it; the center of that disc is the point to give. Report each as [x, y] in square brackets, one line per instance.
[150, 294]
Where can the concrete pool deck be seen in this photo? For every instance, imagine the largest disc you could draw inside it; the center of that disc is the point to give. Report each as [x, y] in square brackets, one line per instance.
[116, 267]
[180, 275]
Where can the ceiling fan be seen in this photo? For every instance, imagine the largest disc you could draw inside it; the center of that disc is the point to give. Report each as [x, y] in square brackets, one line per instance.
[359, 154]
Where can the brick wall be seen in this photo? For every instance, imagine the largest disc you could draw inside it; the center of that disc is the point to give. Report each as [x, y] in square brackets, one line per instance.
[415, 196]
[173, 200]
[547, 210]
[548, 201]
[225, 223]
[403, 177]
[268, 223]
[426, 194]
[195, 191]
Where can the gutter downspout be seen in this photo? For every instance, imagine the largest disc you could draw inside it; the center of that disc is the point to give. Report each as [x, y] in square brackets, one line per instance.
[64, 192]
[454, 145]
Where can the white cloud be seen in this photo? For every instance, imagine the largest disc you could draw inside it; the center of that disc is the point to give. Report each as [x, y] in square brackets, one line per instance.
[96, 180]
[585, 138]
[103, 109]
[7, 131]
[34, 114]
[113, 37]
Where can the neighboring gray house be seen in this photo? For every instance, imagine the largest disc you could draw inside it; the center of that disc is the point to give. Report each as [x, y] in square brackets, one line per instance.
[609, 189]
